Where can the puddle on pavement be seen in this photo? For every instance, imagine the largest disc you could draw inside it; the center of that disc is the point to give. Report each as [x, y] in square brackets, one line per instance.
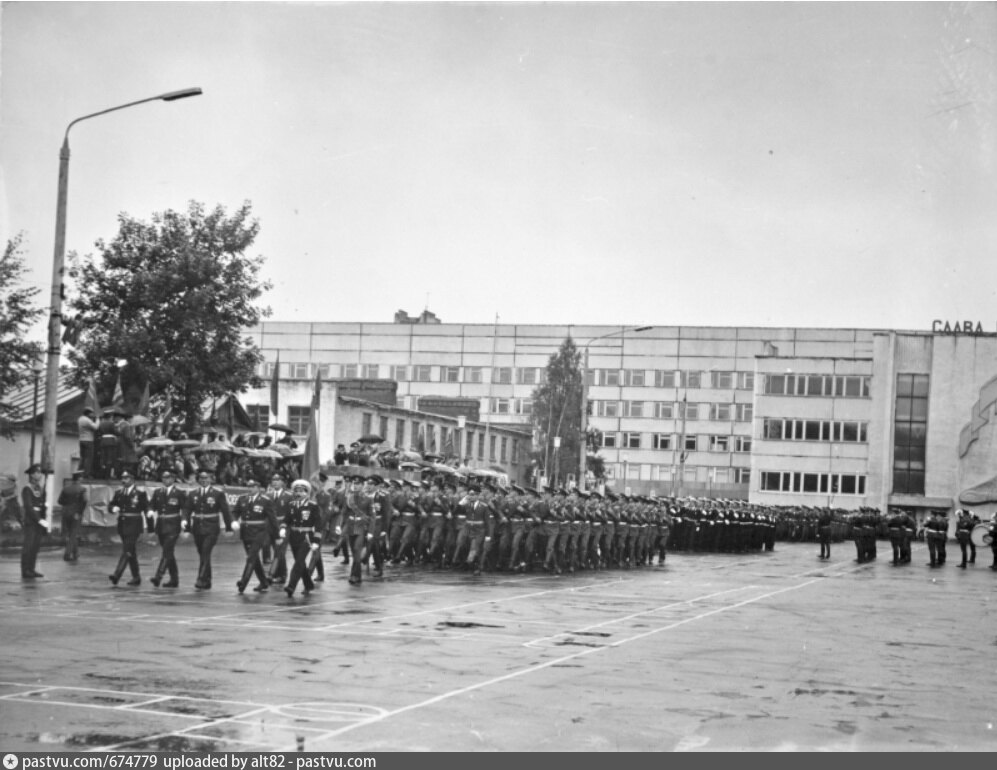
[173, 743]
[572, 642]
[80, 739]
[465, 624]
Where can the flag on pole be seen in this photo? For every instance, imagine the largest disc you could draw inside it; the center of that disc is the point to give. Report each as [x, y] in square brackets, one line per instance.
[317, 392]
[91, 397]
[274, 385]
[143, 404]
[310, 462]
[118, 400]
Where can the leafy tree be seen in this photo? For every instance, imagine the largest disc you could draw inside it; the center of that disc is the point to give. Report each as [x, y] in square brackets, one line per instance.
[173, 297]
[557, 404]
[17, 314]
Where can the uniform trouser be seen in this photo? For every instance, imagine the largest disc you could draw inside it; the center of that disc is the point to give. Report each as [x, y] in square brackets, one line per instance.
[278, 562]
[535, 542]
[71, 532]
[993, 549]
[896, 543]
[473, 534]
[936, 548]
[168, 560]
[431, 537]
[905, 539]
[569, 549]
[317, 566]
[632, 545]
[301, 546]
[30, 546]
[395, 536]
[357, 545]
[205, 539]
[254, 540]
[87, 458]
[968, 548]
[582, 546]
[455, 545]
[660, 546]
[409, 538]
[824, 534]
[516, 533]
[129, 534]
[554, 555]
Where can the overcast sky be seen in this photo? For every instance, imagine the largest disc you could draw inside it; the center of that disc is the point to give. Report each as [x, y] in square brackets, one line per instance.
[768, 164]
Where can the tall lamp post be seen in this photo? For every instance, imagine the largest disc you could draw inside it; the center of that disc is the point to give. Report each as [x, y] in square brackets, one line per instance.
[583, 467]
[36, 369]
[55, 313]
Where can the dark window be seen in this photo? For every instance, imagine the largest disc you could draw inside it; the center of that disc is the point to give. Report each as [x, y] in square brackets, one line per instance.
[297, 418]
[910, 434]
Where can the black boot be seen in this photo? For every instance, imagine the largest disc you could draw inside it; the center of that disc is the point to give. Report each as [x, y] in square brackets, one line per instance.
[119, 570]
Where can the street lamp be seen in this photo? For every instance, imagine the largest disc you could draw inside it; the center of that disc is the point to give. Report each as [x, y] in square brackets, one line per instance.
[55, 313]
[583, 468]
[37, 367]
[557, 464]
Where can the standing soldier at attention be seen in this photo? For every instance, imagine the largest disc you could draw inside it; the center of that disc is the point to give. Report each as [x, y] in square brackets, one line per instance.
[204, 505]
[824, 521]
[258, 527]
[963, 530]
[936, 533]
[167, 506]
[130, 504]
[895, 529]
[33, 521]
[302, 527]
[73, 499]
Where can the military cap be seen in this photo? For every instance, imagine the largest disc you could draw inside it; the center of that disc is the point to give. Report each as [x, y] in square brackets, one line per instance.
[375, 479]
[301, 484]
[473, 487]
[34, 468]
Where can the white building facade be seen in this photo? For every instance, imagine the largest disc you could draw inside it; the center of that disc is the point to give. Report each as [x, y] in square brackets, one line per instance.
[840, 417]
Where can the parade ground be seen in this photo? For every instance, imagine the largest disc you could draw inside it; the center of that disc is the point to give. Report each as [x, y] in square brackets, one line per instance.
[711, 652]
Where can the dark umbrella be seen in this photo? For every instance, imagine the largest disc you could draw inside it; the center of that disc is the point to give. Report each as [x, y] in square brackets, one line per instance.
[371, 438]
[281, 427]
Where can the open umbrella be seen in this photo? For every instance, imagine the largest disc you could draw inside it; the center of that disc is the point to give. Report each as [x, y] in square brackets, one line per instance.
[410, 466]
[139, 419]
[157, 441]
[281, 427]
[410, 456]
[218, 446]
[371, 438]
[266, 453]
[186, 442]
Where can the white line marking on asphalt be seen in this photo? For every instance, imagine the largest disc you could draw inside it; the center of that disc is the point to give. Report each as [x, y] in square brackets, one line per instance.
[564, 658]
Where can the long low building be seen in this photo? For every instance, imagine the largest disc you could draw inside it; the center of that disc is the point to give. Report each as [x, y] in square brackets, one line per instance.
[838, 417]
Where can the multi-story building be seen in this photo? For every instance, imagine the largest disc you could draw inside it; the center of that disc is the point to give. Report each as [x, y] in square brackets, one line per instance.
[841, 417]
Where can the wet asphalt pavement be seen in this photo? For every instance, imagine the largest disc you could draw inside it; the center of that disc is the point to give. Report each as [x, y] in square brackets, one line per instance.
[714, 652]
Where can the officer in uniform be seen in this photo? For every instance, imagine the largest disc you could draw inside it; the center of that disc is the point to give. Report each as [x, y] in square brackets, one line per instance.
[477, 529]
[381, 514]
[258, 527]
[357, 514]
[410, 514]
[435, 504]
[166, 509]
[936, 533]
[33, 505]
[130, 504]
[73, 499]
[824, 521]
[204, 505]
[302, 528]
[963, 530]
[895, 529]
[281, 502]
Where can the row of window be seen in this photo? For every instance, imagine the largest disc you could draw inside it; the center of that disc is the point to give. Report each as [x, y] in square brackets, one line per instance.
[817, 385]
[817, 483]
[689, 474]
[671, 410]
[671, 378]
[520, 375]
[910, 434]
[668, 441]
[778, 429]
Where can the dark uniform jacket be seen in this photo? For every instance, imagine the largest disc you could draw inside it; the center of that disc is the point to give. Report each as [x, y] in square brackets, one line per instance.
[169, 504]
[203, 506]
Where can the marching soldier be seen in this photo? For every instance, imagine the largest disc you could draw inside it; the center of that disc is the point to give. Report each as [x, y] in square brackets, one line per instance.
[167, 508]
[357, 512]
[381, 514]
[73, 499]
[130, 504]
[477, 530]
[435, 506]
[302, 528]
[204, 505]
[281, 503]
[258, 527]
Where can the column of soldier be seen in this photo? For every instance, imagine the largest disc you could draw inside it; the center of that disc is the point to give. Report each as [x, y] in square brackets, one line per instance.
[448, 522]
